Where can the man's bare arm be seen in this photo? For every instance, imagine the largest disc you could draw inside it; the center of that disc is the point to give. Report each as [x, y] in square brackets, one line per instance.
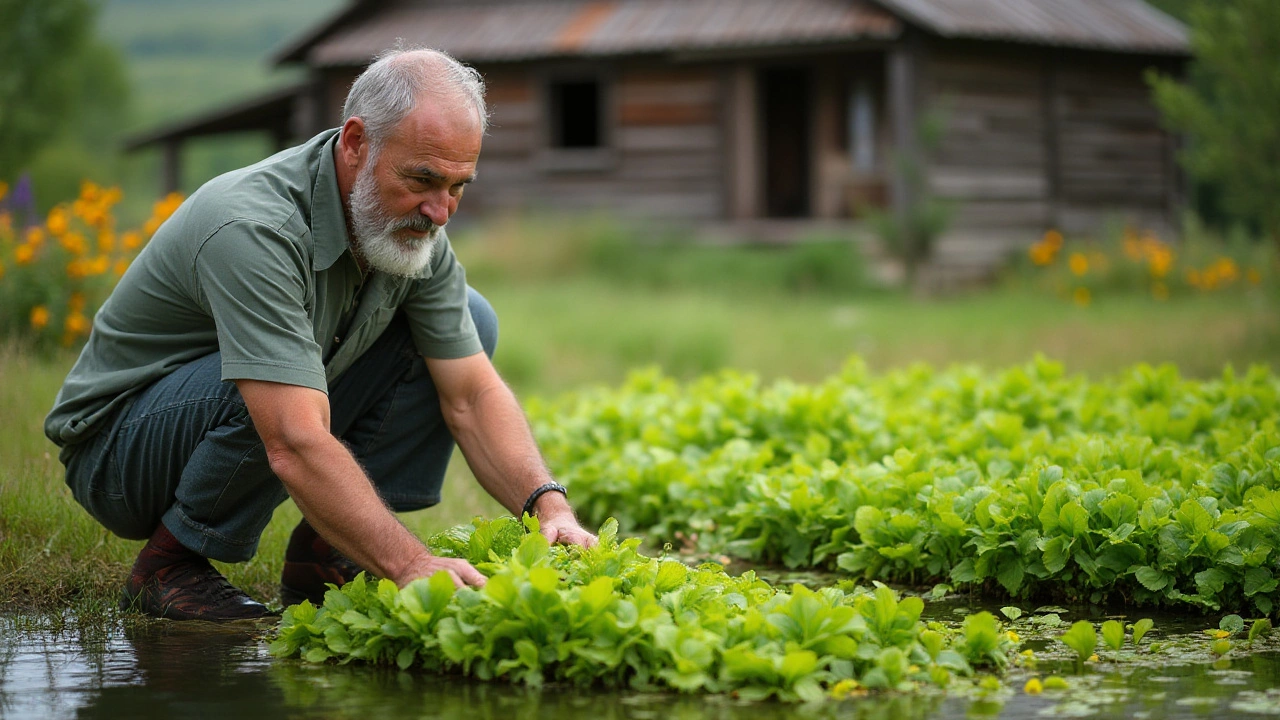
[491, 429]
[331, 489]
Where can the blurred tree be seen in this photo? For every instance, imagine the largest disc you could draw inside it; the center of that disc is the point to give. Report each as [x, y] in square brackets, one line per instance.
[1179, 9]
[1229, 106]
[57, 81]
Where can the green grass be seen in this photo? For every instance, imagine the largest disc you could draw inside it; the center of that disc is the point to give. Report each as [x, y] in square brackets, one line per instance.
[563, 332]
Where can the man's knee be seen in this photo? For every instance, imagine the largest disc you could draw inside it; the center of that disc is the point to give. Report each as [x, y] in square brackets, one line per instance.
[485, 319]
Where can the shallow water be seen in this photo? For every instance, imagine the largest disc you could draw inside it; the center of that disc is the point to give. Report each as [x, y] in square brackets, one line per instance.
[194, 670]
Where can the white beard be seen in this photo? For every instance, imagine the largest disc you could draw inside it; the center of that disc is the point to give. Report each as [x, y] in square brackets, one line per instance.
[376, 232]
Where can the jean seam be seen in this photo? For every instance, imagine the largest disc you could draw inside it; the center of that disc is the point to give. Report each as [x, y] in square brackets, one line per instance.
[208, 532]
[213, 511]
[177, 406]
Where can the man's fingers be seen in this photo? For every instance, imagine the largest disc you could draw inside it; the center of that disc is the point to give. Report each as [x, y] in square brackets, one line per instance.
[457, 581]
[550, 532]
[472, 576]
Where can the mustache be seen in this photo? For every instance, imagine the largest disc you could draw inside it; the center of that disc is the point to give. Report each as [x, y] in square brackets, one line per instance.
[416, 223]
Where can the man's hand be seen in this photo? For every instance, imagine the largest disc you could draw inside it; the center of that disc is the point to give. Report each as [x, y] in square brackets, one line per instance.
[564, 529]
[460, 571]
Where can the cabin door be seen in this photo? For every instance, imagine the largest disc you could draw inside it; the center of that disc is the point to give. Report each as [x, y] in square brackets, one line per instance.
[786, 100]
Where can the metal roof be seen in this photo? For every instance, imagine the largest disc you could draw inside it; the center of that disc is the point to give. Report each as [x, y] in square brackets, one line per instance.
[527, 29]
[1116, 25]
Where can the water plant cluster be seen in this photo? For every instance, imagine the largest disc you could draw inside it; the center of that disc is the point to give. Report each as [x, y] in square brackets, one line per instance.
[1148, 489]
[611, 616]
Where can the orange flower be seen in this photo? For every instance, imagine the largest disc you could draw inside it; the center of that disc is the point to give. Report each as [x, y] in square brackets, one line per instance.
[6, 224]
[120, 266]
[35, 236]
[39, 317]
[57, 221]
[24, 254]
[1082, 296]
[131, 240]
[106, 241]
[74, 243]
[4, 189]
[99, 265]
[89, 191]
[75, 303]
[76, 323]
[1052, 239]
[151, 226]
[1079, 264]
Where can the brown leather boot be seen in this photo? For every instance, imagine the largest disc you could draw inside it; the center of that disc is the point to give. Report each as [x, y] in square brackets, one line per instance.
[170, 581]
[310, 564]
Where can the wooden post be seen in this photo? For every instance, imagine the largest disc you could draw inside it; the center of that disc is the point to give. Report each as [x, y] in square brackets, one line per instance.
[1052, 140]
[903, 69]
[743, 120]
[171, 165]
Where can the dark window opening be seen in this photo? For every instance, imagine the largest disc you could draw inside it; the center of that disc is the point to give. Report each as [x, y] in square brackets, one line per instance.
[575, 114]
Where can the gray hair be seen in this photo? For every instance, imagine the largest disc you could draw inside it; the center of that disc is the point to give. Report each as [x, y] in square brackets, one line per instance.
[390, 88]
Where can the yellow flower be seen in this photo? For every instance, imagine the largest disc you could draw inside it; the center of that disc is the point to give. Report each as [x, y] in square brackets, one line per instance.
[89, 191]
[1219, 634]
[39, 317]
[24, 254]
[844, 689]
[99, 265]
[1082, 296]
[76, 323]
[131, 240]
[1093, 657]
[1013, 636]
[1079, 264]
[35, 236]
[57, 221]
[1033, 687]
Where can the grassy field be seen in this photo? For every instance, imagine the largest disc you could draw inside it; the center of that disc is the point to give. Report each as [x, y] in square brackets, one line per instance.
[564, 332]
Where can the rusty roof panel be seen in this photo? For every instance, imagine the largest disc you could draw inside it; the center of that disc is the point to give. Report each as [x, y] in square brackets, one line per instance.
[480, 31]
[1117, 25]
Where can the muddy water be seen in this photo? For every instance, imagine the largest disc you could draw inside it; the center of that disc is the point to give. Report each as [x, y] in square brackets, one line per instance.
[194, 670]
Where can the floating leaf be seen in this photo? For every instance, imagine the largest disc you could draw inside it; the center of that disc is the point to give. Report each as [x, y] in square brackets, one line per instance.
[1082, 638]
[1141, 628]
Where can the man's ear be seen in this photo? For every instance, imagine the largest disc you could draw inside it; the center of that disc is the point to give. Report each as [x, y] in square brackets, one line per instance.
[352, 143]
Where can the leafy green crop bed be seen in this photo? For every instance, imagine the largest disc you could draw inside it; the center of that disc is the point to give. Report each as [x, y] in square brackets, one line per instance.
[1146, 489]
[613, 617]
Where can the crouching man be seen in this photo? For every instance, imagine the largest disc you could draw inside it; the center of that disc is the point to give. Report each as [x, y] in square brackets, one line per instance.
[301, 328]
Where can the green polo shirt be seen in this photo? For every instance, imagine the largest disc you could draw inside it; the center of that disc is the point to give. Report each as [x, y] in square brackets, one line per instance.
[256, 264]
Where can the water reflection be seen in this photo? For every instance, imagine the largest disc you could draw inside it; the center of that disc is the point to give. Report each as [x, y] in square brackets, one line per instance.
[165, 669]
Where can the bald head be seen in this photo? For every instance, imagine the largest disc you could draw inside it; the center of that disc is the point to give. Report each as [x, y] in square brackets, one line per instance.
[389, 89]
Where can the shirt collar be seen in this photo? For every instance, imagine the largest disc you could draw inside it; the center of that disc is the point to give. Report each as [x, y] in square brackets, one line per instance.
[328, 218]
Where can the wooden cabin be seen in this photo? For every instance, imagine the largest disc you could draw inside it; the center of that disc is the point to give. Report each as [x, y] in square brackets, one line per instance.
[755, 112]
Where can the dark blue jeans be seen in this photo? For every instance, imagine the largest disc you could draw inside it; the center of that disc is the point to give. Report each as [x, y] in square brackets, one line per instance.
[185, 451]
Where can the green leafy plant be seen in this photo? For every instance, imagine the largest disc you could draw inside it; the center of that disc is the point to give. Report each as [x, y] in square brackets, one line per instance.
[1148, 488]
[613, 617]
[1113, 634]
[1261, 629]
[1232, 624]
[1141, 628]
[1082, 639]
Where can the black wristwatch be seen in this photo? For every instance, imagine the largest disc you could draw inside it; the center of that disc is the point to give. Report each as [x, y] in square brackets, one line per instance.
[542, 490]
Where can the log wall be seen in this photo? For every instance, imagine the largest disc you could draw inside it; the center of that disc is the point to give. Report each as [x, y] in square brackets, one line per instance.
[662, 154]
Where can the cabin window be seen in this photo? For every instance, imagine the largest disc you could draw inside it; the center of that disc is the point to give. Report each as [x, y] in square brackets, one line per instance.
[576, 114]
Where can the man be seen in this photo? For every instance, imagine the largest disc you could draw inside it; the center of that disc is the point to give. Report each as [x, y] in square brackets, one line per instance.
[269, 343]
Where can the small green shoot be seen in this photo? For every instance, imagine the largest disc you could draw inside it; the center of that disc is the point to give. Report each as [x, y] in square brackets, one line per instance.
[1141, 628]
[1082, 638]
[1261, 628]
[1113, 634]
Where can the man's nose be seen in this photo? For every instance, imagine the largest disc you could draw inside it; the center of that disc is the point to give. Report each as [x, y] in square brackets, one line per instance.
[436, 208]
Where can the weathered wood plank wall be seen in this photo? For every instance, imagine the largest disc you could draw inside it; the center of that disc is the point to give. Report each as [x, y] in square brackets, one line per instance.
[662, 155]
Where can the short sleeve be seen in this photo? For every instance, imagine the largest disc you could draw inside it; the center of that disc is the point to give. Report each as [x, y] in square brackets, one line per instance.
[439, 317]
[253, 281]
